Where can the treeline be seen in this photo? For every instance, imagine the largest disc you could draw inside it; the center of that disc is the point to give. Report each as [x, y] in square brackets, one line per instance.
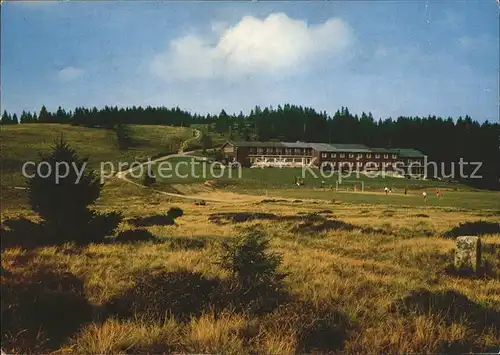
[444, 140]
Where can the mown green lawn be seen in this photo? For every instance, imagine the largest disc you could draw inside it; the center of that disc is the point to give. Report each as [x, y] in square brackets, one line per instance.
[473, 200]
[188, 170]
[276, 182]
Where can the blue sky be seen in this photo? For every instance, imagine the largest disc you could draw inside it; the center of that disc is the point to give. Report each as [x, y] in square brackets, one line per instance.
[388, 57]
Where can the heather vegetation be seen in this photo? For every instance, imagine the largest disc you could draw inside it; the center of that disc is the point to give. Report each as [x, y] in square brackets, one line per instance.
[128, 268]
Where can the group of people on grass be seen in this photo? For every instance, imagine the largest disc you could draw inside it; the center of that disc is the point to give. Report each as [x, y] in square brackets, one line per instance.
[439, 196]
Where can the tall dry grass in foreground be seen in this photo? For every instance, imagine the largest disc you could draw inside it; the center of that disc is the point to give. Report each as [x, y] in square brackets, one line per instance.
[359, 279]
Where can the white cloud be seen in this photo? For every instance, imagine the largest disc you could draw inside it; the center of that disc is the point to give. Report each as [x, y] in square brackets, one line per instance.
[69, 73]
[275, 45]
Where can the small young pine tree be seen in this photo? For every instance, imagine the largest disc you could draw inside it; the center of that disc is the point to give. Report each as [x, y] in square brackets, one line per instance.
[123, 136]
[62, 201]
[206, 142]
[149, 177]
[248, 259]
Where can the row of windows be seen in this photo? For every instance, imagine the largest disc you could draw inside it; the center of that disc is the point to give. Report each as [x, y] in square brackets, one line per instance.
[277, 161]
[278, 150]
[290, 151]
[359, 155]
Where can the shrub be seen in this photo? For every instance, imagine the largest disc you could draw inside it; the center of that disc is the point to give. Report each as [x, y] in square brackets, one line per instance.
[149, 178]
[175, 212]
[256, 287]
[248, 259]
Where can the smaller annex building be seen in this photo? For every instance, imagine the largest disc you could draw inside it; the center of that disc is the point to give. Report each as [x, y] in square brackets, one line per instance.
[340, 156]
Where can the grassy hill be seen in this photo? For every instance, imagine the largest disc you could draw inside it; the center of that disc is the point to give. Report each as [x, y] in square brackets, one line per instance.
[22, 143]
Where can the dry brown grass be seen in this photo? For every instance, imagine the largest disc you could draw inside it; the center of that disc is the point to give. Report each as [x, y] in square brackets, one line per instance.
[341, 283]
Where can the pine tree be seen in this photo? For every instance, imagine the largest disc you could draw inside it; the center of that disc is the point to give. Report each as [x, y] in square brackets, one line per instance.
[6, 119]
[206, 142]
[123, 136]
[44, 116]
[62, 199]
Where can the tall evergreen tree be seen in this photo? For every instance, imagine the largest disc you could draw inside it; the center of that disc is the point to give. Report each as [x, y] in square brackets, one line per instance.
[6, 118]
[62, 199]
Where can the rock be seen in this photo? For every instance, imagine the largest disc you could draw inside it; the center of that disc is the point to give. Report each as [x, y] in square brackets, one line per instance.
[468, 254]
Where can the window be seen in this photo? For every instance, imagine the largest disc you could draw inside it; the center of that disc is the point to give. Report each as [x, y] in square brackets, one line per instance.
[351, 155]
[260, 150]
[368, 155]
[279, 151]
[252, 150]
[324, 155]
[394, 156]
[289, 151]
[377, 156]
[386, 156]
[333, 155]
[342, 155]
[360, 155]
[298, 150]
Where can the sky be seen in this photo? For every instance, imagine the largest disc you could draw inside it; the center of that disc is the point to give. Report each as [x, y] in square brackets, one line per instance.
[391, 58]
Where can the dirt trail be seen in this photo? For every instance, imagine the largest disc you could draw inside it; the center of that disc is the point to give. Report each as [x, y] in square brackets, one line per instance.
[232, 198]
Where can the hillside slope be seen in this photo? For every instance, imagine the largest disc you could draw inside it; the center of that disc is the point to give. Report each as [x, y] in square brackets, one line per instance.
[23, 143]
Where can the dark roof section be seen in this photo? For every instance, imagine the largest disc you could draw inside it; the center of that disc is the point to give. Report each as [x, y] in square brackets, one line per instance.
[351, 148]
[272, 144]
[383, 150]
[323, 147]
[409, 153]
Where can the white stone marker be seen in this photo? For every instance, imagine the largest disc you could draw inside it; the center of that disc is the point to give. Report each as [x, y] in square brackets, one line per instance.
[468, 253]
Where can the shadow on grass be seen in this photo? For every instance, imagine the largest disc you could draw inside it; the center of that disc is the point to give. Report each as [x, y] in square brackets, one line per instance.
[322, 212]
[183, 294]
[309, 222]
[185, 243]
[27, 234]
[315, 226]
[321, 328]
[157, 220]
[135, 236]
[22, 233]
[474, 228]
[453, 306]
[240, 217]
[40, 311]
[159, 294]
[272, 201]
